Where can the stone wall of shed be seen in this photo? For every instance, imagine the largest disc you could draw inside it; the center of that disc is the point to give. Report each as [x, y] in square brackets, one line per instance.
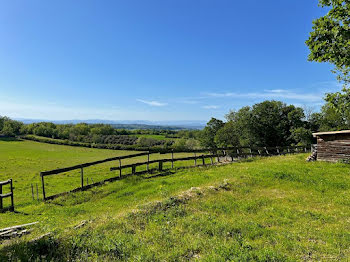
[333, 147]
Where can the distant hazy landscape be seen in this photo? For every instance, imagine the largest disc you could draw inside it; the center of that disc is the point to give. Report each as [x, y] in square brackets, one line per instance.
[128, 124]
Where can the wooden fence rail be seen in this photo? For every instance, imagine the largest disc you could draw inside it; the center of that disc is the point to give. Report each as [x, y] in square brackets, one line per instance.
[81, 167]
[220, 154]
[161, 161]
[2, 196]
[66, 169]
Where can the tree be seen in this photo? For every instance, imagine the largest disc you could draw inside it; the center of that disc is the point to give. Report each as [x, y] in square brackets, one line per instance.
[180, 144]
[45, 129]
[302, 136]
[192, 143]
[227, 135]
[242, 123]
[340, 102]
[272, 121]
[328, 119]
[3, 119]
[207, 137]
[11, 128]
[330, 39]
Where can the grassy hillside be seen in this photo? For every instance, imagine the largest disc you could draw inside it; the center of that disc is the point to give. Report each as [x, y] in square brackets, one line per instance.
[23, 161]
[268, 209]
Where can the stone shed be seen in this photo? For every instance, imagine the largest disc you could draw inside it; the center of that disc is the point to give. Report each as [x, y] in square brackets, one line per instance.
[333, 146]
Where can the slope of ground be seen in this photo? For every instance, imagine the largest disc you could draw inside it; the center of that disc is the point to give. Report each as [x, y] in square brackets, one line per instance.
[269, 209]
[24, 160]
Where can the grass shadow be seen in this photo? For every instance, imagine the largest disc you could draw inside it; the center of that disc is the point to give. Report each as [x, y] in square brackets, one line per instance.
[162, 174]
[9, 139]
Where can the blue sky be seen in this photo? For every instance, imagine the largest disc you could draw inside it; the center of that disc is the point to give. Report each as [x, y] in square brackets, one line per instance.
[155, 59]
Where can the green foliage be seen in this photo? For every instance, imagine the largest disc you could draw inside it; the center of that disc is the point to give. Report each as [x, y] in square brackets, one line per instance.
[149, 142]
[207, 137]
[269, 123]
[186, 144]
[272, 122]
[180, 144]
[330, 39]
[242, 120]
[227, 135]
[3, 119]
[82, 134]
[10, 127]
[192, 143]
[189, 134]
[302, 136]
[339, 102]
[329, 119]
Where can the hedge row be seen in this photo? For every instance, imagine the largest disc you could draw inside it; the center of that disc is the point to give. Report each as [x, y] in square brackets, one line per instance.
[93, 145]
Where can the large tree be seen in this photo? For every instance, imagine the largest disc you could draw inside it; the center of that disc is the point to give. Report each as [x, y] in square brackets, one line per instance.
[330, 42]
[227, 136]
[208, 134]
[242, 120]
[272, 122]
[330, 39]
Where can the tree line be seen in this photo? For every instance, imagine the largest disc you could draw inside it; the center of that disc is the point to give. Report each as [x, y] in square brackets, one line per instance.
[269, 123]
[85, 133]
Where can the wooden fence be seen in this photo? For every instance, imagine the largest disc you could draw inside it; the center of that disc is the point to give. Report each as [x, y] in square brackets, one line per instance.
[216, 155]
[2, 196]
[81, 167]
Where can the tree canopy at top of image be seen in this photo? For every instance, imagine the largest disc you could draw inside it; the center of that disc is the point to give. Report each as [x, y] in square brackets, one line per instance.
[330, 42]
[330, 39]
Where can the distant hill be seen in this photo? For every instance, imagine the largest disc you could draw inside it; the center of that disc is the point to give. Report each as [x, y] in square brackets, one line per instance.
[129, 124]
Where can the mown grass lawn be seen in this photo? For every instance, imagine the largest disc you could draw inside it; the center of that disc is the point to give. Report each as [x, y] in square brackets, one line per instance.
[269, 209]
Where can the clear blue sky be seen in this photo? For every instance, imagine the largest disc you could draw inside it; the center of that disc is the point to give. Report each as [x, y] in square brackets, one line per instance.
[155, 59]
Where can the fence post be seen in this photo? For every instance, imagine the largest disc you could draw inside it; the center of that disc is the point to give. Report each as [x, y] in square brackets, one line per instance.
[1, 206]
[82, 177]
[211, 160]
[251, 152]
[203, 159]
[37, 192]
[172, 158]
[148, 162]
[267, 152]
[43, 186]
[160, 165]
[195, 159]
[120, 167]
[12, 202]
[32, 191]
[133, 169]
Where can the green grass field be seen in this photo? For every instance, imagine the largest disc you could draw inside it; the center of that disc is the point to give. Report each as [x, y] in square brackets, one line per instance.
[266, 209]
[23, 160]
